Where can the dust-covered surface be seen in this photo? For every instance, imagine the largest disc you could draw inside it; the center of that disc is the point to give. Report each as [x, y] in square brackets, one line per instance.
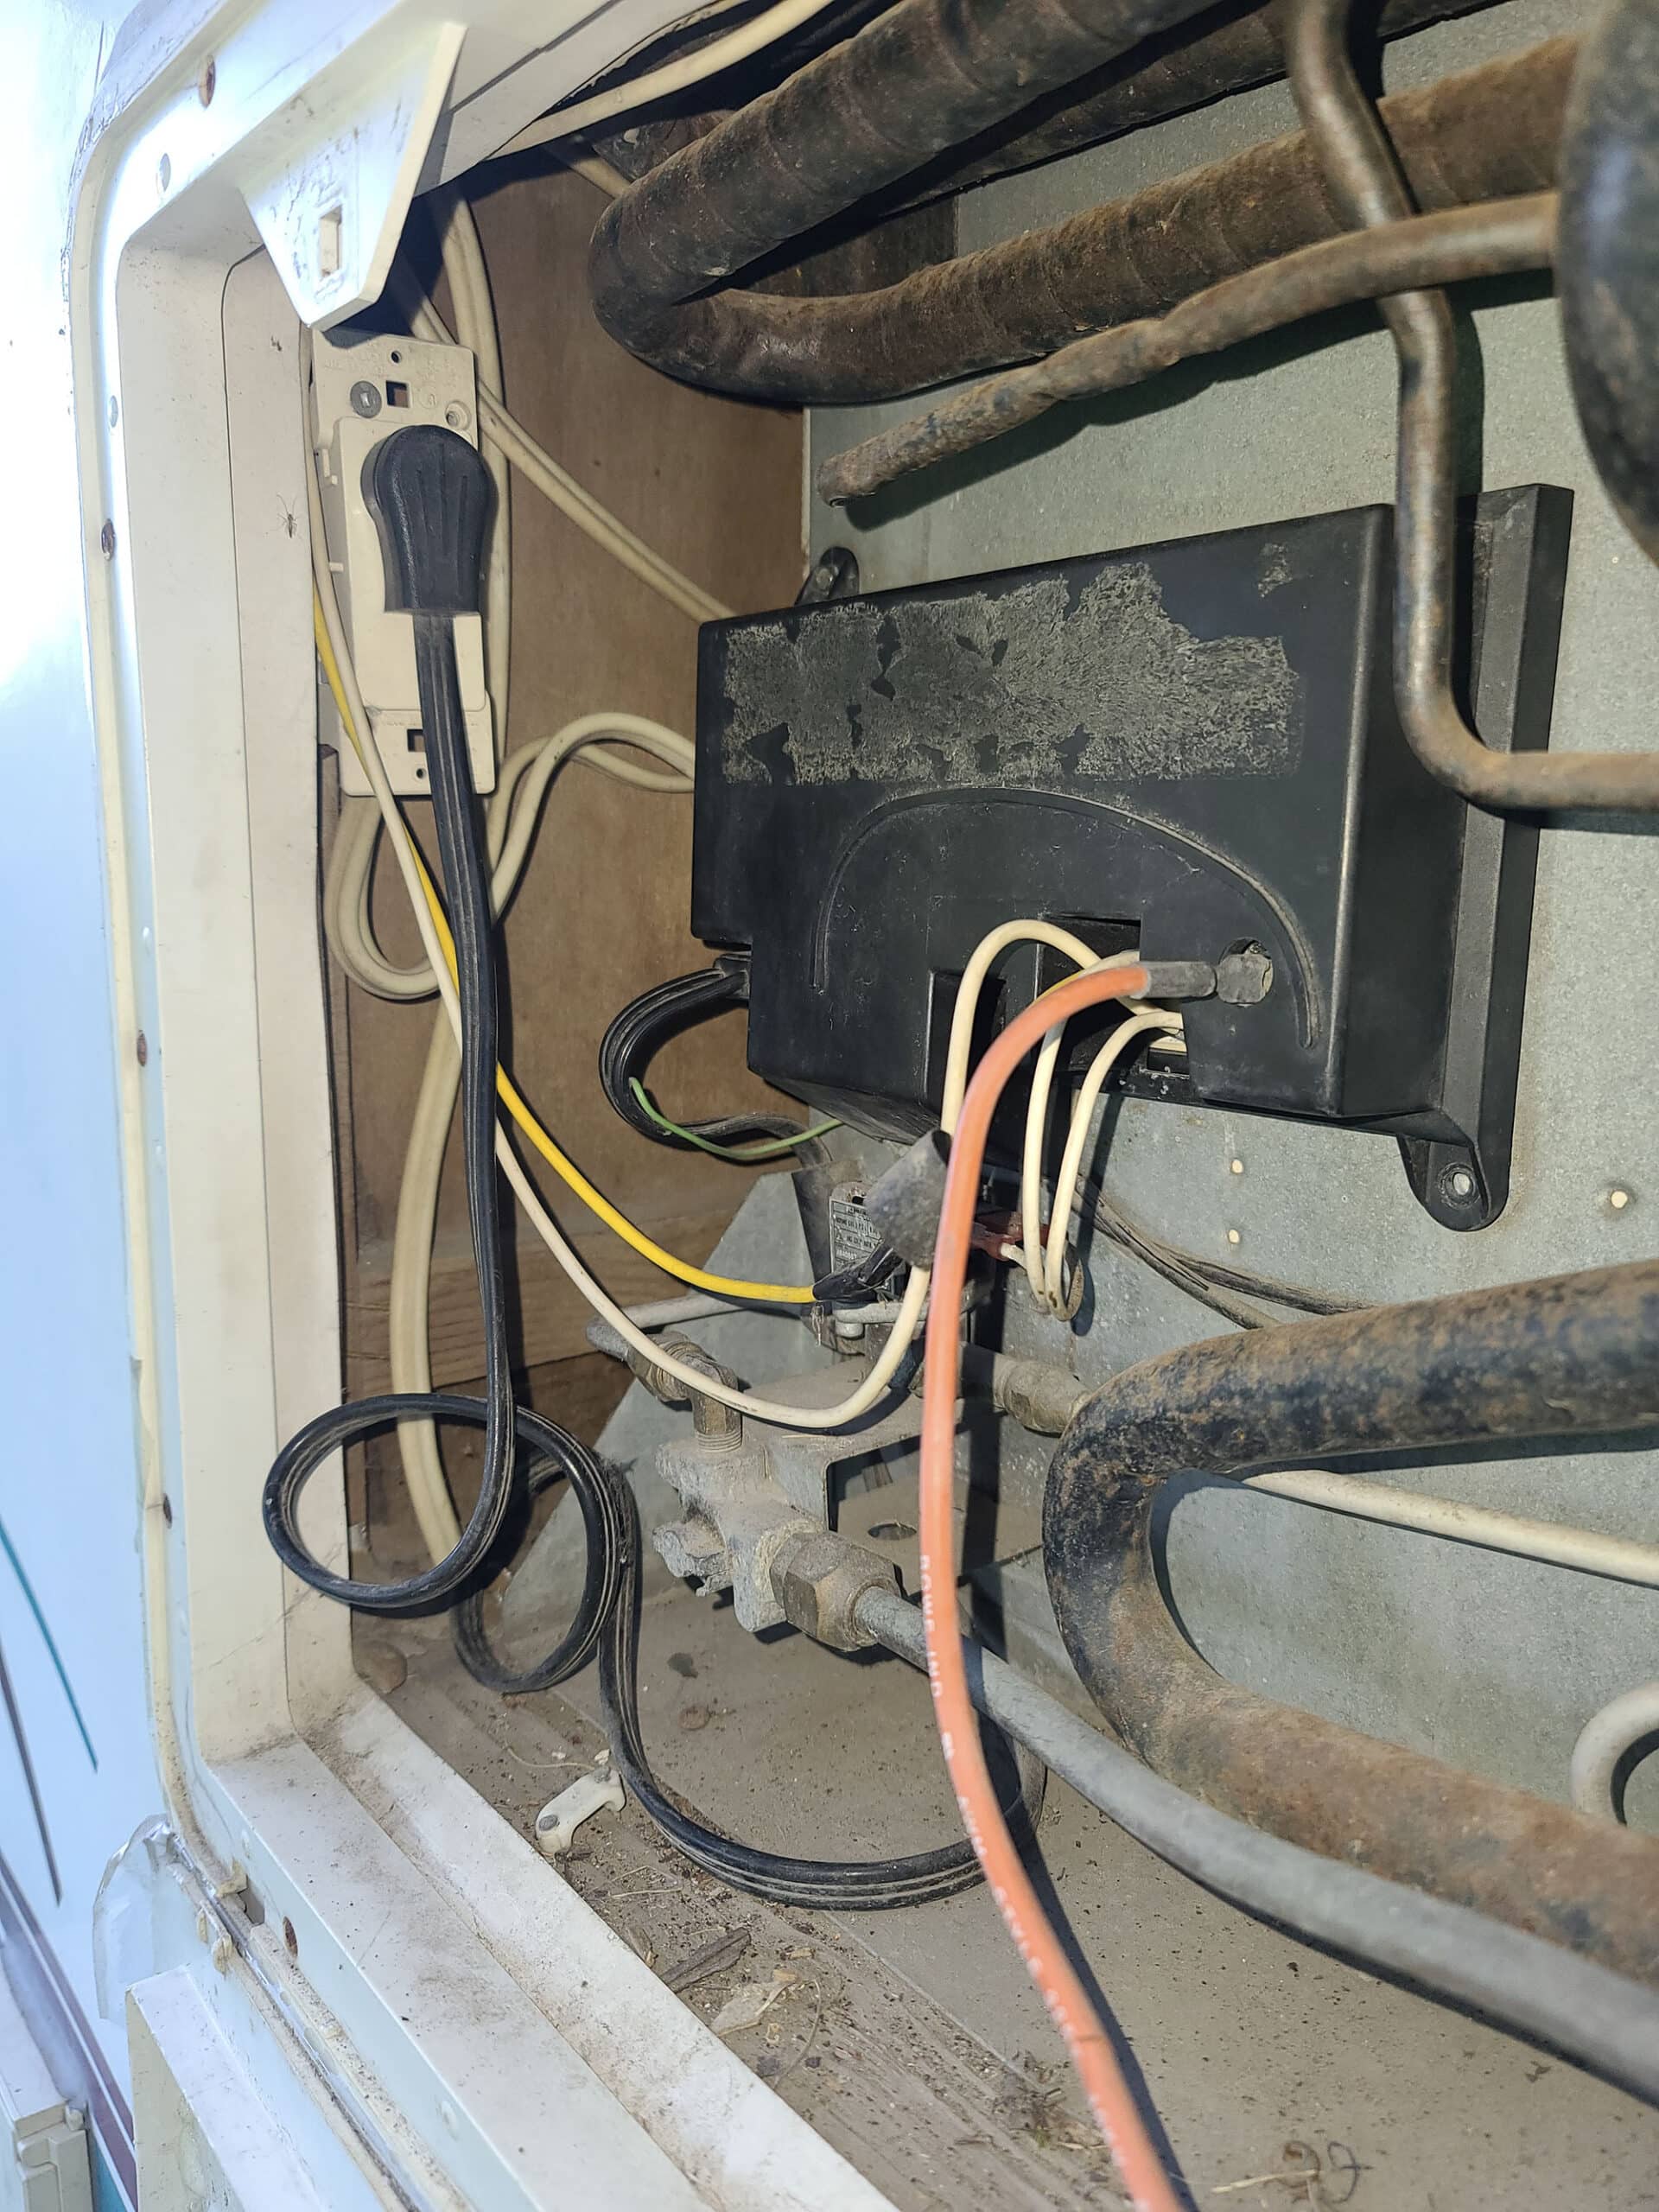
[913, 2041]
[928, 2110]
[1033, 685]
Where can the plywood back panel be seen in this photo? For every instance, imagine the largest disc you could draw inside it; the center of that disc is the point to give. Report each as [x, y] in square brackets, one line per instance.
[715, 486]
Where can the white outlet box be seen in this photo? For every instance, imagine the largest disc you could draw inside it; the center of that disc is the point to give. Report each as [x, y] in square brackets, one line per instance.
[362, 392]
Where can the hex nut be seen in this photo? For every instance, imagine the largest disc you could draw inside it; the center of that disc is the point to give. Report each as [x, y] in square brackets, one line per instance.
[1243, 977]
[818, 1579]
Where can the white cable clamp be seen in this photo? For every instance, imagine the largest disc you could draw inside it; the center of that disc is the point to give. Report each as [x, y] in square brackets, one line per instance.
[559, 1819]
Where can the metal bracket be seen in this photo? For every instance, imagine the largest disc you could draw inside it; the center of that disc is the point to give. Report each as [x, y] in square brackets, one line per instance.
[1461, 1176]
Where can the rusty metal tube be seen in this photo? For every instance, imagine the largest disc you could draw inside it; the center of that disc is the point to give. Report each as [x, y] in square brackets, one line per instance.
[1451, 246]
[1181, 73]
[1163, 77]
[1371, 187]
[1600, 2019]
[920, 79]
[1573, 1355]
[1610, 297]
[1484, 133]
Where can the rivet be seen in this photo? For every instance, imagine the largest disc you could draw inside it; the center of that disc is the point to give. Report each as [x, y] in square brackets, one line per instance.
[1236, 1167]
[1233, 1236]
[1618, 1198]
[206, 81]
[142, 1049]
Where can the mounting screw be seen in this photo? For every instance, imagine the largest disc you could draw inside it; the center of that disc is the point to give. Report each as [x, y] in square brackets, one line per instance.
[206, 81]
[365, 399]
[1617, 1199]
[1458, 1184]
[456, 416]
[106, 540]
[142, 1049]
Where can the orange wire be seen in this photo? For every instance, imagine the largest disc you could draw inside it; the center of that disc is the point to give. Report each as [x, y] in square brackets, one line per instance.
[1109, 2093]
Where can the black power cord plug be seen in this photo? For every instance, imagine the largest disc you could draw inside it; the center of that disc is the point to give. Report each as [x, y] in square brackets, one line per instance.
[430, 494]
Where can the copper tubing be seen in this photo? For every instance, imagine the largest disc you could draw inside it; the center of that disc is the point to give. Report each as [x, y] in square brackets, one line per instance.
[1369, 186]
[1495, 238]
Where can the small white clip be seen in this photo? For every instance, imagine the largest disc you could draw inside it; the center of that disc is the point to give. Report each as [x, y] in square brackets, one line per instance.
[559, 1819]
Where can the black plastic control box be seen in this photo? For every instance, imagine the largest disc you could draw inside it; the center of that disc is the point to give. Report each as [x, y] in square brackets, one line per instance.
[1190, 749]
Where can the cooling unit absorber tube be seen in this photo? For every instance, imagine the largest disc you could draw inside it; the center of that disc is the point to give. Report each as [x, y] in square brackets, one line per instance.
[1609, 274]
[1163, 77]
[804, 153]
[1575, 1354]
[922, 76]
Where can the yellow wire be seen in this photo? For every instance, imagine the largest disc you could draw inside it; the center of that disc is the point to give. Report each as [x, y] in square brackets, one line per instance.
[773, 1294]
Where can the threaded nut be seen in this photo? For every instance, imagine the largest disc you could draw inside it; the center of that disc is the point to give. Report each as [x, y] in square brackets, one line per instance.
[818, 1579]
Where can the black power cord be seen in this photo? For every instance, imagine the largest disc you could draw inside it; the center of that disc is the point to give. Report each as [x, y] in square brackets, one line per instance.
[613, 1552]
[429, 494]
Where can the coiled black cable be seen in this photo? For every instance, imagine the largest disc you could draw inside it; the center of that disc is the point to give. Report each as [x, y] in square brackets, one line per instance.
[606, 1619]
[613, 1541]
[547, 1452]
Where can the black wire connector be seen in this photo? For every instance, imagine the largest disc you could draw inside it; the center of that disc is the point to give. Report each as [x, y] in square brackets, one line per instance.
[645, 1025]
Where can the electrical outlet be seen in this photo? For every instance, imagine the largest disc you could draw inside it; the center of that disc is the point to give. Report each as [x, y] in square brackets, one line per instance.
[362, 392]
